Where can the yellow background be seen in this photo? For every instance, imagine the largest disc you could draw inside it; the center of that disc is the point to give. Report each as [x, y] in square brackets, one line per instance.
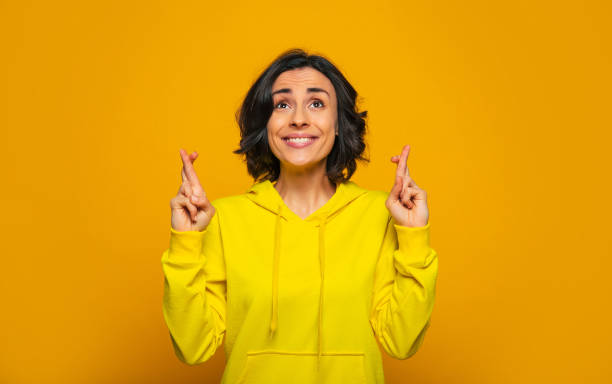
[506, 106]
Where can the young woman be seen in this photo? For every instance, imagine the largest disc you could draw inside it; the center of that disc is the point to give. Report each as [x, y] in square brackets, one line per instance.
[304, 271]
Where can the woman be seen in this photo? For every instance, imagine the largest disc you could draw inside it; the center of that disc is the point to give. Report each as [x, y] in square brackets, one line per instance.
[305, 270]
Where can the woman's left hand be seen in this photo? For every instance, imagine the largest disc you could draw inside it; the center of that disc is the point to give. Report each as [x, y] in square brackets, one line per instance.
[407, 203]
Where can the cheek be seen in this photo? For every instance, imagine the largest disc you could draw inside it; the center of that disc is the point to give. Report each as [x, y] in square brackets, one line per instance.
[327, 123]
[273, 126]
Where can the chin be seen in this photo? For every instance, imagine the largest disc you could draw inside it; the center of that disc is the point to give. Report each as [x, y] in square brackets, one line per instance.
[295, 163]
[300, 161]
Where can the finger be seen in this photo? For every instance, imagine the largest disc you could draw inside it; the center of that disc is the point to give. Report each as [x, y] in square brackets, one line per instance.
[397, 188]
[404, 163]
[408, 182]
[185, 189]
[183, 176]
[184, 202]
[192, 156]
[199, 201]
[406, 197]
[402, 169]
[190, 172]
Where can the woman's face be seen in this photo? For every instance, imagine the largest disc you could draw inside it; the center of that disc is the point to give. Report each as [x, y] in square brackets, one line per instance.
[305, 109]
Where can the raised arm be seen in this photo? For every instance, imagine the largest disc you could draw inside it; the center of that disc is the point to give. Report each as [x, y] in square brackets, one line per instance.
[407, 269]
[194, 302]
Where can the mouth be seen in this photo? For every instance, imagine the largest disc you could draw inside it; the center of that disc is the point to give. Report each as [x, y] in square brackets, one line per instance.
[299, 141]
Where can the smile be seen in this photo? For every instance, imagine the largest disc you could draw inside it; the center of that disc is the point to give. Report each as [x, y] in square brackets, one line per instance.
[299, 142]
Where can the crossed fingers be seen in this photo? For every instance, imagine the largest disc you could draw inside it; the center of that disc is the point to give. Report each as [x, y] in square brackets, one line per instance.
[402, 169]
[188, 172]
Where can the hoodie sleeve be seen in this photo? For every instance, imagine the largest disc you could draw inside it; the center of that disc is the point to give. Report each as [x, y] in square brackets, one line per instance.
[194, 301]
[404, 289]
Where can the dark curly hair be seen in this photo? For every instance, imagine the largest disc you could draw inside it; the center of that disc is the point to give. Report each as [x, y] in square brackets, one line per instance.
[257, 107]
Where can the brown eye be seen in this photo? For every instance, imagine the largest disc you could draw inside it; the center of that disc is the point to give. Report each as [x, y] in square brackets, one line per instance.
[318, 102]
[281, 103]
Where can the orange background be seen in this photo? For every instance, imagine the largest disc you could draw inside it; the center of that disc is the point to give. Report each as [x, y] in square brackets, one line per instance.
[506, 106]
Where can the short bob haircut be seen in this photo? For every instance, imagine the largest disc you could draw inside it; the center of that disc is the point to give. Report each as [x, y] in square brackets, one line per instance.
[257, 107]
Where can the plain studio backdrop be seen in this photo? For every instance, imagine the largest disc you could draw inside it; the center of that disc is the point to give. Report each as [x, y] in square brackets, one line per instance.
[506, 107]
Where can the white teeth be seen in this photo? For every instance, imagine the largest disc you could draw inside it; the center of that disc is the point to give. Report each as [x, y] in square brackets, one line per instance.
[300, 139]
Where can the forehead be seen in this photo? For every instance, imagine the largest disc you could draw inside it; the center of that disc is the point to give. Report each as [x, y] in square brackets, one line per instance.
[302, 78]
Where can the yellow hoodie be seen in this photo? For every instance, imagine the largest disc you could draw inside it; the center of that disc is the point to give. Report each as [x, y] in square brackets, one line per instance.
[299, 300]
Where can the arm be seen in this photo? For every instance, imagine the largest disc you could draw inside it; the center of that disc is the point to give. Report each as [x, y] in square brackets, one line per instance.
[194, 300]
[404, 289]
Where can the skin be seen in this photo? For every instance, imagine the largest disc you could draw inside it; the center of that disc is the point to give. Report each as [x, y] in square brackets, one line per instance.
[407, 202]
[302, 182]
[191, 209]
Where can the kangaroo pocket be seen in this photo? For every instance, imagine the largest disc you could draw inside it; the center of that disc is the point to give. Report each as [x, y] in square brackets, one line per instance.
[273, 367]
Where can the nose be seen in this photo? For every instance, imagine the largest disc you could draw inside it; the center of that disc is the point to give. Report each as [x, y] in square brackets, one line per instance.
[299, 118]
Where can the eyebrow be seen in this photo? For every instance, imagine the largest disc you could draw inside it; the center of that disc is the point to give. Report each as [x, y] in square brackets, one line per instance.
[287, 90]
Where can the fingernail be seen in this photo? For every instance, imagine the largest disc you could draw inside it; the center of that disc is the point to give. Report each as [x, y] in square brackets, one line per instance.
[194, 199]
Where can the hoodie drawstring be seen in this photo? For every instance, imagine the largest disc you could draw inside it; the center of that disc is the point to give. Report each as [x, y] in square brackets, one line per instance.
[322, 268]
[277, 238]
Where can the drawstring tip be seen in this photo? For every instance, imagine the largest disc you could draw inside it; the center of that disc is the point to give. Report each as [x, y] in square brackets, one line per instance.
[272, 328]
[272, 325]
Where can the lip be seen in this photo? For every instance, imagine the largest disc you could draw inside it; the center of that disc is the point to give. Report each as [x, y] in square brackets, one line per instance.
[299, 145]
[294, 135]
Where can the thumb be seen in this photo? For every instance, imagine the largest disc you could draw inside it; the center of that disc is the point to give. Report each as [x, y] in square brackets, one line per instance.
[199, 201]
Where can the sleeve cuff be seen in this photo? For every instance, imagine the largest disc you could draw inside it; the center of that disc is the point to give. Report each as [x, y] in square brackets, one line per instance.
[413, 240]
[186, 243]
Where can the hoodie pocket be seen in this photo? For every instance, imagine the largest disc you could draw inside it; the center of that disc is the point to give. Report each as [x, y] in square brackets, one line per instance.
[272, 367]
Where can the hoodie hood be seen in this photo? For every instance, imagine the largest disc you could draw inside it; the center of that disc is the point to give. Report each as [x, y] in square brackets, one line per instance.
[266, 196]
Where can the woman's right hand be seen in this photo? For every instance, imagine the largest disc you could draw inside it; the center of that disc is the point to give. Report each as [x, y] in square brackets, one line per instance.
[191, 210]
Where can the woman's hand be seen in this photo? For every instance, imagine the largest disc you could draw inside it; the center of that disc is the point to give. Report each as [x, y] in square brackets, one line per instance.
[407, 203]
[191, 210]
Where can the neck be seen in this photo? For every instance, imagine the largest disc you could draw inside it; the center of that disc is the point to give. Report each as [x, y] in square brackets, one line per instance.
[304, 191]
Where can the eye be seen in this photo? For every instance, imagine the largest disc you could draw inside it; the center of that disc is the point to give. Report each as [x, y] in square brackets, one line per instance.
[318, 102]
[281, 103]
